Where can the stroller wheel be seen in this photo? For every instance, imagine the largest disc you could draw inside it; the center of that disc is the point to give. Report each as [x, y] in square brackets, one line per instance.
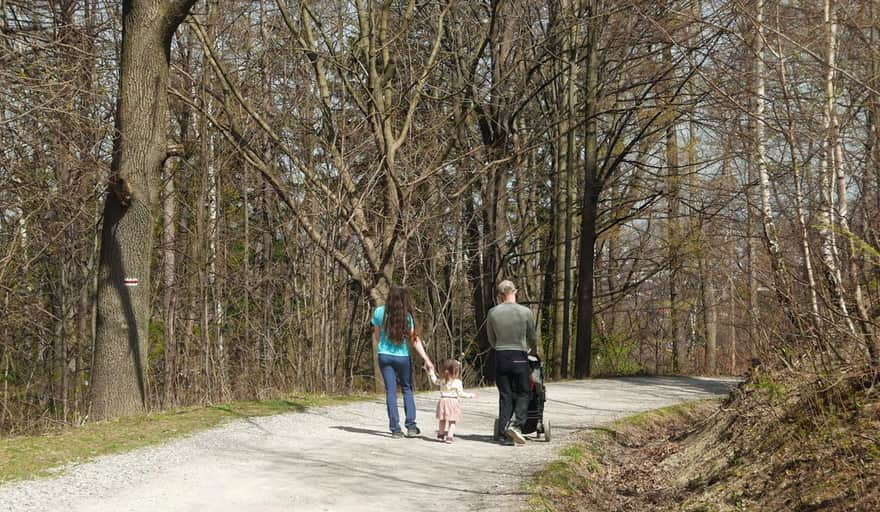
[547, 431]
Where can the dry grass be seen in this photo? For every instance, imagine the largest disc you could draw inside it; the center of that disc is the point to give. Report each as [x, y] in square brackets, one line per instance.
[605, 476]
[778, 443]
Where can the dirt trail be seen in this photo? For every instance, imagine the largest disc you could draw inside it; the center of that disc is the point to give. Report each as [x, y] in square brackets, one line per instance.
[342, 458]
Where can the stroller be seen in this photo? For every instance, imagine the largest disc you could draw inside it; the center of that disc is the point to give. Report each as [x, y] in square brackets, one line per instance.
[535, 422]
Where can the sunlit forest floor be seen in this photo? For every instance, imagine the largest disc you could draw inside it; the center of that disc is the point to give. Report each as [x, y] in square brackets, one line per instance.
[783, 440]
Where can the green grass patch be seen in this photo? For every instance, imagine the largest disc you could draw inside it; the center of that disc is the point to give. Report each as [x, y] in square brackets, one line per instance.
[662, 416]
[33, 456]
[562, 478]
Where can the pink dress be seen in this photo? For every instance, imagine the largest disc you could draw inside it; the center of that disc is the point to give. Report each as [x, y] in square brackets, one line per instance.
[448, 409]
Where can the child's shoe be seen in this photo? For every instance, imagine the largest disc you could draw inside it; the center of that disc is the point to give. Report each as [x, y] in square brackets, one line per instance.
[449, 440]
[441, 436]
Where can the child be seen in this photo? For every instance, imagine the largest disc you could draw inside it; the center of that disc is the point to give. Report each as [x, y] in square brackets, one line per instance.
[451, 389]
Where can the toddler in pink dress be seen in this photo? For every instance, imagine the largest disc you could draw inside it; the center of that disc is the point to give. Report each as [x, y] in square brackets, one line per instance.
[451, 390]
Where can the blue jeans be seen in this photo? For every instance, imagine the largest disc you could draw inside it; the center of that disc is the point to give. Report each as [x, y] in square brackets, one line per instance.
[398, 370]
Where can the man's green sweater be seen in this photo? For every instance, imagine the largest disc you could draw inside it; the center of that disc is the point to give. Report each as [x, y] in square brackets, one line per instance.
[511, 326]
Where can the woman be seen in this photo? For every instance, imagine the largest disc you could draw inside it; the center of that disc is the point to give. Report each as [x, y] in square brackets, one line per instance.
[393, 332]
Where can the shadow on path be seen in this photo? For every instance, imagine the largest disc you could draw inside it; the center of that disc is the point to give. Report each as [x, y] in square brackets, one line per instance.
[481, 438]
[363, 474]
[714, 387]
[359, 430]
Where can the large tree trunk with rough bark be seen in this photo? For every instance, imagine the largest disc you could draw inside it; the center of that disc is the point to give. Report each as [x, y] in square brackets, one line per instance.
[119, 385]
[589, 210]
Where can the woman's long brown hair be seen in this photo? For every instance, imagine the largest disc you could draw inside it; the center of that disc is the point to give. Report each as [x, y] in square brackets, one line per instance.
[397, 307]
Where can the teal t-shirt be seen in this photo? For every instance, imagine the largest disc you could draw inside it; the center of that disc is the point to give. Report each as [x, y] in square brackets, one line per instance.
[387, 346]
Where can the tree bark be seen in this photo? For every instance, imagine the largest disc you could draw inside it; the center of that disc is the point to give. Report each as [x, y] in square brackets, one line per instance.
[710, 317]
[119, 379]
[215, 351]
[169, 294]
[842, 213]
[771, 240]
[672, 228]
[872, 151]
[590, 205]
[828, 211]
[570, 95]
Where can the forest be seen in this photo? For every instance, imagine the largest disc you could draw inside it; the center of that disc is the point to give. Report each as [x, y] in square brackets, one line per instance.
[203, 200]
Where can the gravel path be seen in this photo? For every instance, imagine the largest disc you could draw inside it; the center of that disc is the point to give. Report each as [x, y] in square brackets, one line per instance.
[341, 458]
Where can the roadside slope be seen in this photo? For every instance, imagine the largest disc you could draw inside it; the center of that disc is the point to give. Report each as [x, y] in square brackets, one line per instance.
[781, 441]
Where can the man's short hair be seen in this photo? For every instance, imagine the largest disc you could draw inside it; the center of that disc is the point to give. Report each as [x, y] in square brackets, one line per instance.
[505, 287]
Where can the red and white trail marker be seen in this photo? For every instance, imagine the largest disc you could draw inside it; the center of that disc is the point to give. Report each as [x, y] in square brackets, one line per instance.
[131, 281]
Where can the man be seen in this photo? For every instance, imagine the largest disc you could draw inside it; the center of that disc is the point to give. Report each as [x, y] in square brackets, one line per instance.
[511, 330]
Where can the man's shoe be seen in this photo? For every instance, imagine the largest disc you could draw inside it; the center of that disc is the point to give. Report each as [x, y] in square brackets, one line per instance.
[413, 432]
[397, 434]
[515, 435]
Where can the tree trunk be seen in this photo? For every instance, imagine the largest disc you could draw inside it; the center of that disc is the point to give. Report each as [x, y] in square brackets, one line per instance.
[169, 294]
[474, 250]
[732, 258]
[590, 205]
[570, 94]
[558, 230]
[751, 251]
[771, 241]
[828, 218]
[563, 160]
[838, 171]
[673, 229]
[872, 150]
[247, 355]
[119, 377]
[586, 260]
[791, 140]
[267, 343]
[489, 244]
[710, 317]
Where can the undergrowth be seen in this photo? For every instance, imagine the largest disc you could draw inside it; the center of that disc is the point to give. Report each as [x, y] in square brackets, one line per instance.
[781, 441]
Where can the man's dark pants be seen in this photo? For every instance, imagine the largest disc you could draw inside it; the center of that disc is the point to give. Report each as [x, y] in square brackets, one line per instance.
[512, 376]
